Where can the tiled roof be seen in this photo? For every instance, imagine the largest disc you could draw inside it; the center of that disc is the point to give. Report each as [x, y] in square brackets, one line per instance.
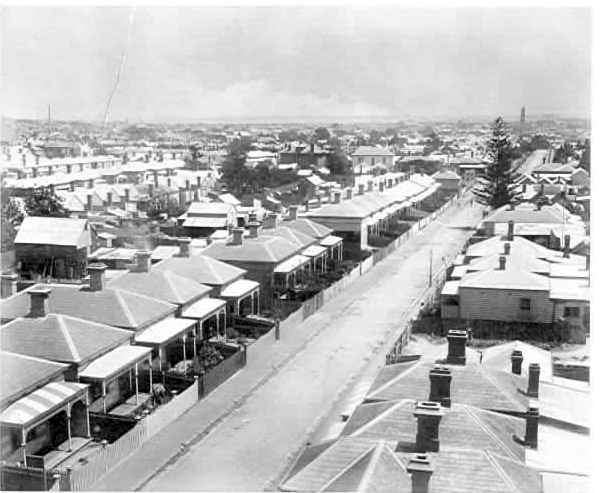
[202, 269]
[61, 338]
[62, 231]
[308, 227]
[110, 306]
[508, 278]
[21, 375]
[293, 235]
[161, 284]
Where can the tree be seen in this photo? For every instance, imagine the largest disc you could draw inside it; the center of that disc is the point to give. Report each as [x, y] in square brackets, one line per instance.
[44, 202]
[338, 163]
[585, 160]
[321, 133]
[11, 216]
[563, 153]
[497, 187]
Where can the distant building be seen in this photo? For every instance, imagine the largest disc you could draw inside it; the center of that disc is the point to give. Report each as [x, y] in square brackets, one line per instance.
[368, 158]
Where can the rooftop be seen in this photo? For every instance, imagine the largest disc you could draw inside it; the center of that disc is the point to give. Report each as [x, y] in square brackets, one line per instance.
[60, 231]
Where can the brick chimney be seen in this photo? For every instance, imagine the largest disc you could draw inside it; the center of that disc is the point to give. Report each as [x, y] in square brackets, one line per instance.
[370, 186]
[533, 379]
[381, 186]
[38, 301]
[198, 181]
[8, 284]
[502, 262]
[510, 229]
[292, 212]
[349, 193]
[420, 469]
[155, 177]
[588, 262]
[184, 247]
[428, 416]
[566, 246]
[126, 194]
[237, 234]
[252, 217]
[72, 186]
[532, 416]
[253, 230]
[337, 197]
[90, 183]
[506, 248]
[456, 346]
[150, 189]
[390, 182]
[516, 362]
[440, 385]
[90, 202]
[270, 221]
[361, 190]
[143, 258]
[187, 184]
[169, 182]
[109, 198]
[96, 272]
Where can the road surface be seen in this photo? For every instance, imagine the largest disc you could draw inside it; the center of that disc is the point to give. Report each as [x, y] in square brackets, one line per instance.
[254, 443]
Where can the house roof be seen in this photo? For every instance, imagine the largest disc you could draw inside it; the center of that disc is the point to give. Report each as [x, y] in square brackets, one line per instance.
[266, 248]
[161, 284]
[446, 175]
[372, 151]
[569, 289]
[519, 262]
[60, 231]
[210, 209]
[22, 374]
[111, 306]
[293, 235]
[205, 222]
[239, 288]
[202, 269]
[309, 228]
[508, 278]
[60, 338]
[528, 213]
[113, 362]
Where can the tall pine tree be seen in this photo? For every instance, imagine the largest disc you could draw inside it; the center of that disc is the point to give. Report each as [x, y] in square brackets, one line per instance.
[498, 185]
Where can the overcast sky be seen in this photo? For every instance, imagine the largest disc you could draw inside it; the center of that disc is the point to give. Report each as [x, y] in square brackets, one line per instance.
[194, 64]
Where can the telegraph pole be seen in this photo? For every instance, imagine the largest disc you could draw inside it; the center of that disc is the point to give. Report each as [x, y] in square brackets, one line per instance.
[430, 271]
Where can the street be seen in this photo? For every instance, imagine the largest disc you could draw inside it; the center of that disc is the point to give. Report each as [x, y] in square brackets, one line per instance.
[249, 449]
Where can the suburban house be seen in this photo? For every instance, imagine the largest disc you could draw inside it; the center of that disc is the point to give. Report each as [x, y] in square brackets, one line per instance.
[204, 218]
[52, 247]
[304, 155]
[449, 180]
[367, 159]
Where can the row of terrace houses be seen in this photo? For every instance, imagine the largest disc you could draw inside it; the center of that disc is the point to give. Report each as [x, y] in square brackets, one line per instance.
[509, 279]
[457, 423]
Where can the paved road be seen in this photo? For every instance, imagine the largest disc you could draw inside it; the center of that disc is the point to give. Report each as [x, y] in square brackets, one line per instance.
[250, 447]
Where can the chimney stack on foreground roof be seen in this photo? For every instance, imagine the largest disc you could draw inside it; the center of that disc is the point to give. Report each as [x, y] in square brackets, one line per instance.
[96, 272]
[533, 380]
[8, 284]
[440, 385]
[237, 234]
[457, 340]
[38, 301]
[510, 230]
[420, 469]
[428, 416]
[143, 260]
[516, 362]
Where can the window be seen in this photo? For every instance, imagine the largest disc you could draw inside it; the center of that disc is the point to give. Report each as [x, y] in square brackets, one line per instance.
[571, 312]
[525, 304]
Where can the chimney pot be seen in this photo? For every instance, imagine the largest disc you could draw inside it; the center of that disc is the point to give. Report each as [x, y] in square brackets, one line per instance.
[8, 284]
[428, 416]
[237, 236]
[184, 247]
[381, 185]
[109, 198]
[270, 221]
[370, 186]
[336, 197]
[420, 469]
[516, 362]
[143, 260]
[510, 230]
[349, 193]
[38, 299]
[440, 385]
[502, 262]
[456, 346]
[361, 189]
[96, 272]
[293, 211]
[533, 379]
[253, 229]
[566, 246]
[532, 416]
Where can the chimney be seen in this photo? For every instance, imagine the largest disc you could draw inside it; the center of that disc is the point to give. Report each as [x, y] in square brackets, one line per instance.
[420, 469]
[184, 247]
[456, 346]
[169, 182]
[123, 203]
[516, 362]
[96, 272]
[38, 299]
[187, 184]
[237, 236]
[524, 187]
[440, 385]
[143, 261]
[109, 198]
[270, 221]
[532, 416]
[252, 217]
[411, 170]
[428, 416]
[337, 197]
[502, 262]
[89, 202]
[155, 176]
[506, 248]
[319, 199]
[90, 183]
[381, 185]
[533, 380]
[370, 186]
[539, 205]
[306, 204]
[150, 189]
[198, 181]
[293, 211]
[511, 206]
[253, 229]
[361, 189]
[126, 192]
[510, 230]
[8, 284]
[588, 262]
[390, 183]
[349, 193]
[566, 246]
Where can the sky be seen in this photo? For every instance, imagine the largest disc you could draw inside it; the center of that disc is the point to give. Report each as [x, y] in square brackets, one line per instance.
[186, 64]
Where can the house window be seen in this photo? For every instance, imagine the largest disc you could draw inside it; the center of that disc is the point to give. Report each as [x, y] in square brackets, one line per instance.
[525, 304]
[571, 312]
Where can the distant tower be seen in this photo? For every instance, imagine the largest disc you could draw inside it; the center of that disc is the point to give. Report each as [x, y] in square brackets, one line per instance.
[523, 115]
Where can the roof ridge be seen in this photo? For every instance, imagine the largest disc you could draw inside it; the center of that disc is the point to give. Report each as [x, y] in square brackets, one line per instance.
[493, 380]
[67, 337]
[347, 466]
[124, 306]
[379, 448]
[499, 468]
[402, 374]
[489, 432]
[379, 417]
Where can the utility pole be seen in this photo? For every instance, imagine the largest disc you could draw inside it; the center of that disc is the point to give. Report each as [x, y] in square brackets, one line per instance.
[430, 271]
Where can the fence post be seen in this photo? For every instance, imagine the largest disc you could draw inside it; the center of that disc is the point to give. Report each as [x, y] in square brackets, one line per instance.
[244, 355]
[200, 383]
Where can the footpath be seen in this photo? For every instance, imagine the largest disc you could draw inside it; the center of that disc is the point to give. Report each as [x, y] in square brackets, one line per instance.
[156, 464]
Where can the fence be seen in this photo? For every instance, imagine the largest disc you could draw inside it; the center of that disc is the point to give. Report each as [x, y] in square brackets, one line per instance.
[210, 380]
[177, 406]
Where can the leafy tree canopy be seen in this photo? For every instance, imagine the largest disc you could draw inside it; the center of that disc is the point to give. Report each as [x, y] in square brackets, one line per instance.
[321, 133]
[44, 202]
